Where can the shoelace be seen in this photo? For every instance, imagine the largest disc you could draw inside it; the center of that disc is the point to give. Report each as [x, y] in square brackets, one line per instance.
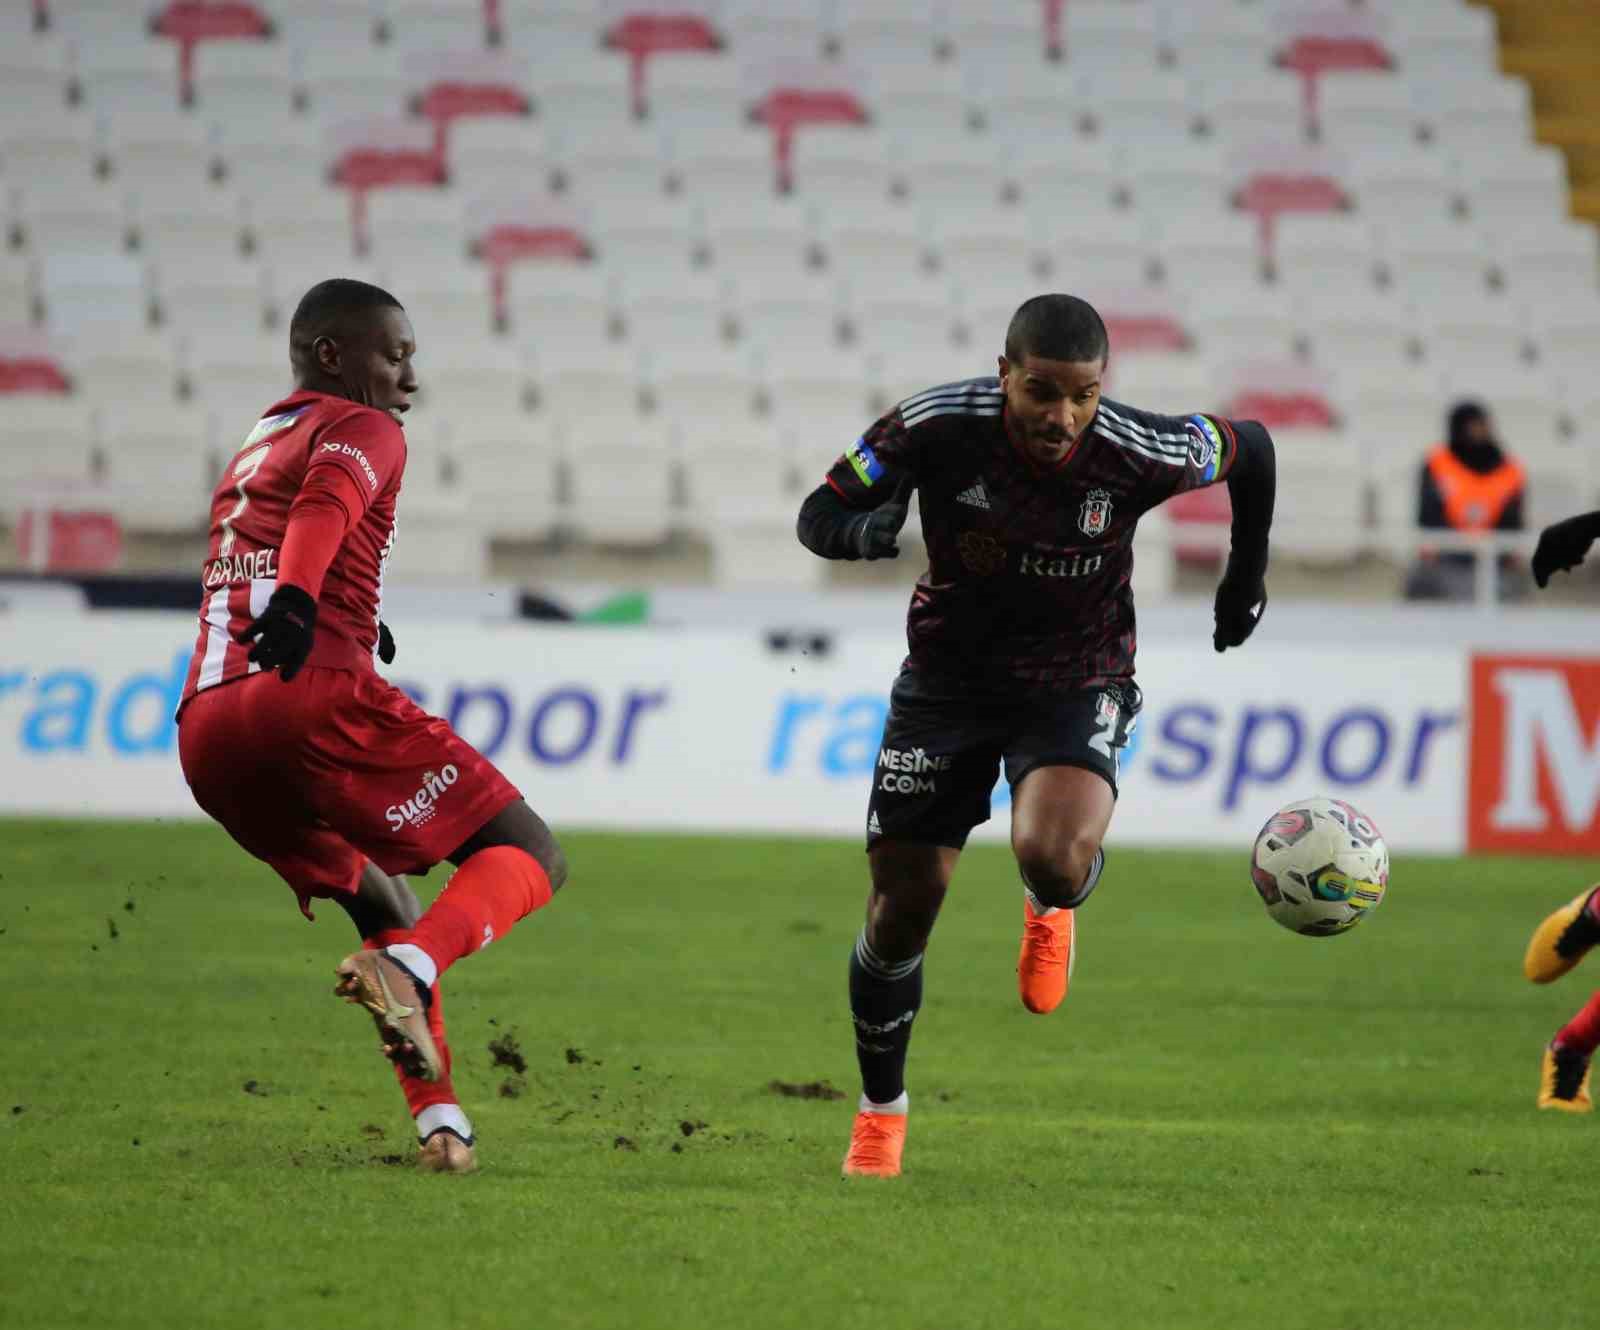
[1046, 940]
[1570, 1066]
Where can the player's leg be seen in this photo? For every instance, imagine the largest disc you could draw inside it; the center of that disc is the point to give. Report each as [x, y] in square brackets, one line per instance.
[1059, 818]
[909, 881]
[1564, 1073]
[1563, 938]
[507, 869]
[931, 784]
[383, 910]
[1062, 764]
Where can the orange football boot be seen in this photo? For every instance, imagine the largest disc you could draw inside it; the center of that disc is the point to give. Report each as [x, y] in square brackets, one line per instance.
[1049, 948]
[877, 1140]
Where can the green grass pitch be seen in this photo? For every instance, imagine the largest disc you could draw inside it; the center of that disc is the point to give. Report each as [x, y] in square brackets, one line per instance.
[1226, 1125]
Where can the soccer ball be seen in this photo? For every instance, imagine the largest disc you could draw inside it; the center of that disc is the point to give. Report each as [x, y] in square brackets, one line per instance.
[1320, 865]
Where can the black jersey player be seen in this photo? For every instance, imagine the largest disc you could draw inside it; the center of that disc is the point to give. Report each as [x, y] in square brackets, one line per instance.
[1021, 636]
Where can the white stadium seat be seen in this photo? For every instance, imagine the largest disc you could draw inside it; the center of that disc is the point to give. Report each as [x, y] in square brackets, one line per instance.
[160, 463]
[100, 293]
[235, 79]
[622, 490]
[60, 431]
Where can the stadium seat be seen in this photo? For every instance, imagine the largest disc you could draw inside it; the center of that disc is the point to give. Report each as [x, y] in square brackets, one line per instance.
[765, 233]
[260, 151]
[37, 72]
[1282, 394]
[193, 221]
[1135, 106]
[1101, 34]
[1324, 251]
[1200, 251]
[1240, 110]
[1111, 249]
[887, 249]
[457, 378]
[622, 489]
[694, 90]
[1244, 322]
[303, 224]
[30, 362]
[216, 298]
[1357, 324]
[1321, 507]
[722, 169]
[60, 454]
[1176, 382]
[1361, 109]
[127, 73]
[821, 398]
[234, 79]
[352, 83]
[69, 212]
[505, 154]
[951, 176]
[978, 254]
[240, 376]
[142, 147]
[16, 291]
[548, 33]
[415, 225]
[435, 25]
[621, 176]
[448, 303]
[1435, 41]
[558, 301]
[586, 95]
[1435, 263]
[1033, 104]
[1401, 180]
[844, 165]
[161, 463]
[342, 25]
[1484, 114]
[1165, 177]
[99, 293]
[911, 95]
[506, 466]
[699, 389]
[47, 142]
[1524, 186]
[1568, 337]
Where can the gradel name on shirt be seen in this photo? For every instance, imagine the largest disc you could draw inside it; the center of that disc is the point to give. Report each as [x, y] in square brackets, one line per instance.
[232, 568]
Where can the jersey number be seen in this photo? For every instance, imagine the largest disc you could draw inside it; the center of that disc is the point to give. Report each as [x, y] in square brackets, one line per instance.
[243, 470]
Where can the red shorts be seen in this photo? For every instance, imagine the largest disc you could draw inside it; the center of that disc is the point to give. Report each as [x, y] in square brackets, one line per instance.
[318, 775]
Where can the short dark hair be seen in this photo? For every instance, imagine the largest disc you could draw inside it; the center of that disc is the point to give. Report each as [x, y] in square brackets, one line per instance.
[326, 310]
[1057, 327]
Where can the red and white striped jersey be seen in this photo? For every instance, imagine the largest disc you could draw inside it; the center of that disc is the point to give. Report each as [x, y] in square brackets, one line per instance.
[250, 515]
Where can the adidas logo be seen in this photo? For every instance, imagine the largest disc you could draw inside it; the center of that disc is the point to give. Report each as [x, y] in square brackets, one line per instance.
[873, 825]
[976, 497]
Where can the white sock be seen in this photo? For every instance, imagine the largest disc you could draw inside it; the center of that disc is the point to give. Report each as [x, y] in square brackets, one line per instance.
[436, 1116]
[1040, 909]
[900, 1106]
[416, 960]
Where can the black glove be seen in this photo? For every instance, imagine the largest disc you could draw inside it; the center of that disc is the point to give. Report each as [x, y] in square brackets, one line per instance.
[873, 534]
[1241, 601]
[282, 633]
[385, 643]
[1563, 545]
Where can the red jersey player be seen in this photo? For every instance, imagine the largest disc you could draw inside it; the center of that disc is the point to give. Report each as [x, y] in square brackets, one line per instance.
[293, 742]
[1567, 935]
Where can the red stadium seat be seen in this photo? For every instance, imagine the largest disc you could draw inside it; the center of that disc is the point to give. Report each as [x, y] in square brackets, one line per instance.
[454, 84]
[68, 540]
[802, 93]
[645, 34]
[1281, 396]
[369, 154]
[28, 363]
[1209, 507]
[189, 22]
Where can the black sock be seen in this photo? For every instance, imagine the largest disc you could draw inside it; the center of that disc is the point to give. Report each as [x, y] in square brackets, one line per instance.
[884, 998]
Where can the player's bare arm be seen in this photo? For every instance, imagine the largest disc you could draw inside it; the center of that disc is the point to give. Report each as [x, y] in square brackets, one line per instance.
[1564, 545]
[1252, 488]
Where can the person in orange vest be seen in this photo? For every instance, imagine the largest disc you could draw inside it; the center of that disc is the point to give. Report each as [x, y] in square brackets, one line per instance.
[1467, 483]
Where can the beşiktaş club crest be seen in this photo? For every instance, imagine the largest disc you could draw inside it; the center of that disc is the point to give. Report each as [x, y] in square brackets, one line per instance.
[1094, 516]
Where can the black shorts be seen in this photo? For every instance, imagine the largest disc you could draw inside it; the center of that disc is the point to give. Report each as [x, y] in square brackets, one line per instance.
[944, 743]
